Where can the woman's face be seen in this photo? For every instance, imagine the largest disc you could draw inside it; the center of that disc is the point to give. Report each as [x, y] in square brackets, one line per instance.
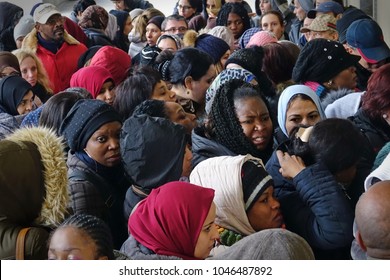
[161, 92]
[128, 26]
[103, 146]
[213, 7]
[299, 11]
[198, 88]
[177, 115]
[271, 23]
[29, 70]
[27, 104]
[235, 24]
[265, 212]
[119, 5]
[152, 34]
[70, 243]
[185, 9]
[265, 6]
[301, 112]
[255, 121]
[167, 44]
[107, 93]
[346, 79]
[207, 236]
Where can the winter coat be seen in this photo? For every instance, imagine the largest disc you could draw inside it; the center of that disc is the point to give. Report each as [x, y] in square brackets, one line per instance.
[8, 124]
[96, 196]
[342, 105]
[10, 15]
[97, 37]
[204, 148]
[315, 207]
[61, 65]
[33, 190]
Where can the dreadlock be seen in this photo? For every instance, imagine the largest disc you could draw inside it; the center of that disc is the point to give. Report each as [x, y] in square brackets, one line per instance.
[223, 124]
[96, 229]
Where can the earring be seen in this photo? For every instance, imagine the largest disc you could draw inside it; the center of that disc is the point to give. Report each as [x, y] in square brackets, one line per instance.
[384, 116]
[188, 92]
[330, 83]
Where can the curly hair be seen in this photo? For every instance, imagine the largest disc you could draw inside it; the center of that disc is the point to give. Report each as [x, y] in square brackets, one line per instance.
[235, 8]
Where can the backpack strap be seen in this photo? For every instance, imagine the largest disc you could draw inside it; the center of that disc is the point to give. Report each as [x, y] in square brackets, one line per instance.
[96, 180]
[20, 242]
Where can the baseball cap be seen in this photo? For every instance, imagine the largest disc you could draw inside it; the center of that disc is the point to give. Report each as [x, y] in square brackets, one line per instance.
[322, 22]
[326, 7]
[350, 15]
[367, 37]
[43, 12]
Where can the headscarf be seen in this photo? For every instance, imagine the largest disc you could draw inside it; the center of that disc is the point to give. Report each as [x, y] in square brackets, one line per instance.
[8, 59]
[285, 98]
[170, 219]
[12, 91]
[94, 17]
[91, 78]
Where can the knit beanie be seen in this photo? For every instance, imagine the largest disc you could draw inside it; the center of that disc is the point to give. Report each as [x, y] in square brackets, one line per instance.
[307, 5]
[85, 117]
[157, 20]
[24, 26]
[262, 38]
[246, 36]
[250, 59]
[135, 13]
[255, 180]
[212, 45]
[321, 60]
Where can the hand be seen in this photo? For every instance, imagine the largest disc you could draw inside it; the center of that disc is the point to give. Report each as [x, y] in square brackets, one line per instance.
[290, 166]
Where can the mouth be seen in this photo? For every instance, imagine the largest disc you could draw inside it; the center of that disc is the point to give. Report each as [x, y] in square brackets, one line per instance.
[259, 140]
[114, 158]
[279, 218]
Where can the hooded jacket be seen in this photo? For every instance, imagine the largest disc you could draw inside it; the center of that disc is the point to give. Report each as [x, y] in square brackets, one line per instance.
[9, 17]
[61, 65]
[33, 189]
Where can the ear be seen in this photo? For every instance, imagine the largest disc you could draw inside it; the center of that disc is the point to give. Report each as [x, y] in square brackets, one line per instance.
[188, 82]
[360, 241]
[37, 26]
[348, 49]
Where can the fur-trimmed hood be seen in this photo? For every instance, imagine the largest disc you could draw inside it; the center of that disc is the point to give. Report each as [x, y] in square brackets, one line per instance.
[51, 150]
[333, 95]
[30, 42]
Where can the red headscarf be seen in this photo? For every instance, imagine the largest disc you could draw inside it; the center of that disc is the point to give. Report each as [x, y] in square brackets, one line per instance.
[171, 218]
[91, 78]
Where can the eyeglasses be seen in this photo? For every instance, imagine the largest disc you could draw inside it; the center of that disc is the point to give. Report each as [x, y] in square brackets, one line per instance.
[54, 20]
[174, 29]
[185, 8]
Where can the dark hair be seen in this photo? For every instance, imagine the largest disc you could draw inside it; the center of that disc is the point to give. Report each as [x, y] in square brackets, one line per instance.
[151, 107]
[56, 109]
[189, 62]
[135, 89]
[336, 143]
[96, 229]
[81, 5]
[278, 63]
[223, 125]
[276, 13]
[197, 4]
[175, 17]
[235, 8]
[376, 100]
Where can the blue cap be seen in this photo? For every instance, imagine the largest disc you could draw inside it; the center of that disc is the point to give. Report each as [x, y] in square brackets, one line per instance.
[366, 36]
[326, 7]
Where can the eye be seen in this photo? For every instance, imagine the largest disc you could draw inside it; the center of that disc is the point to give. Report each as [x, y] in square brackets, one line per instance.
[101, 139]
[265, 118]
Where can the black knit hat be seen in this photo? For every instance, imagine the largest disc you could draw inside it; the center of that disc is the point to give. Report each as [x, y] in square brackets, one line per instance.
[255, 180]
[85, 117]
[320, 60]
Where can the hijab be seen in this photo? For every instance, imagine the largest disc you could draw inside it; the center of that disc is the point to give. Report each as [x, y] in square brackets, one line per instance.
[12, 91]
[170, 219]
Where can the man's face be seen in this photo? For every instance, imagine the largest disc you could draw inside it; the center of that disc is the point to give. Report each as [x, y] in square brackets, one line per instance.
[53, 29]
[178, 27]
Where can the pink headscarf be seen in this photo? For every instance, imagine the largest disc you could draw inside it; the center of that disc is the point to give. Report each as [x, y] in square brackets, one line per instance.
[115, 60]
[171, 218]
[91, 78]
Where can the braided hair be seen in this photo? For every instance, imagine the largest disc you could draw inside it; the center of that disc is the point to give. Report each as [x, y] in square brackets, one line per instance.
[223, 124]
[96, 229]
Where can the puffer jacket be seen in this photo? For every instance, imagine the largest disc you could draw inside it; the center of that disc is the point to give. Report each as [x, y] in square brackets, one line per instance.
[61, 65]
[33, 189]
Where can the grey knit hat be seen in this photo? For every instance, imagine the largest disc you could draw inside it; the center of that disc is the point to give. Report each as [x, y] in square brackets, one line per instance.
[24, 26]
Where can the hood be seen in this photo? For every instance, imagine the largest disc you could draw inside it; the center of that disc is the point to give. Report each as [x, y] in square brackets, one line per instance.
[333, 95]
[51, 150]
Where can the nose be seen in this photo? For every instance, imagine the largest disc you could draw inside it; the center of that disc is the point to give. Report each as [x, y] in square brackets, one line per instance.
[114, 144]
[172, 95]
[110, 95]
[275, 204]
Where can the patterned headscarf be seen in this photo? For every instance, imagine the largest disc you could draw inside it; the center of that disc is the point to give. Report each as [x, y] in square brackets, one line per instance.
[94, 17]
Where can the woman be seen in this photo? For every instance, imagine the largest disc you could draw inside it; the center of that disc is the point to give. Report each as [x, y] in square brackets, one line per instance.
[235, 17]
[165, 228]
[9, 64]
[273, 21]
[298, 106]
[153, 30]
[81, 237]
[97, 80]
[326, 66]
[317, 183]
[16, 96]
[191, 72]
[169, 42]
[97, 184]
[145, 162]
[33, 190]
[217, 48]
[143, 83]
[243, 196]
[189, 8]
[210, 11]
[125, 25]
[94, 21]
[239, 123]
[32, 71]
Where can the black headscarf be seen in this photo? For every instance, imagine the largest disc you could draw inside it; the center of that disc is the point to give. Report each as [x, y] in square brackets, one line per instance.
[12, 91]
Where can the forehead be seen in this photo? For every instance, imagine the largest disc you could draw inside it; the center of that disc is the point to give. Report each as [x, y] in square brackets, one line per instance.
[176, 23]
[233, 16]
[269, 17]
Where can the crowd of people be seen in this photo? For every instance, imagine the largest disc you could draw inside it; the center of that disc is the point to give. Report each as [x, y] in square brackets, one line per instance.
[216, 132]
